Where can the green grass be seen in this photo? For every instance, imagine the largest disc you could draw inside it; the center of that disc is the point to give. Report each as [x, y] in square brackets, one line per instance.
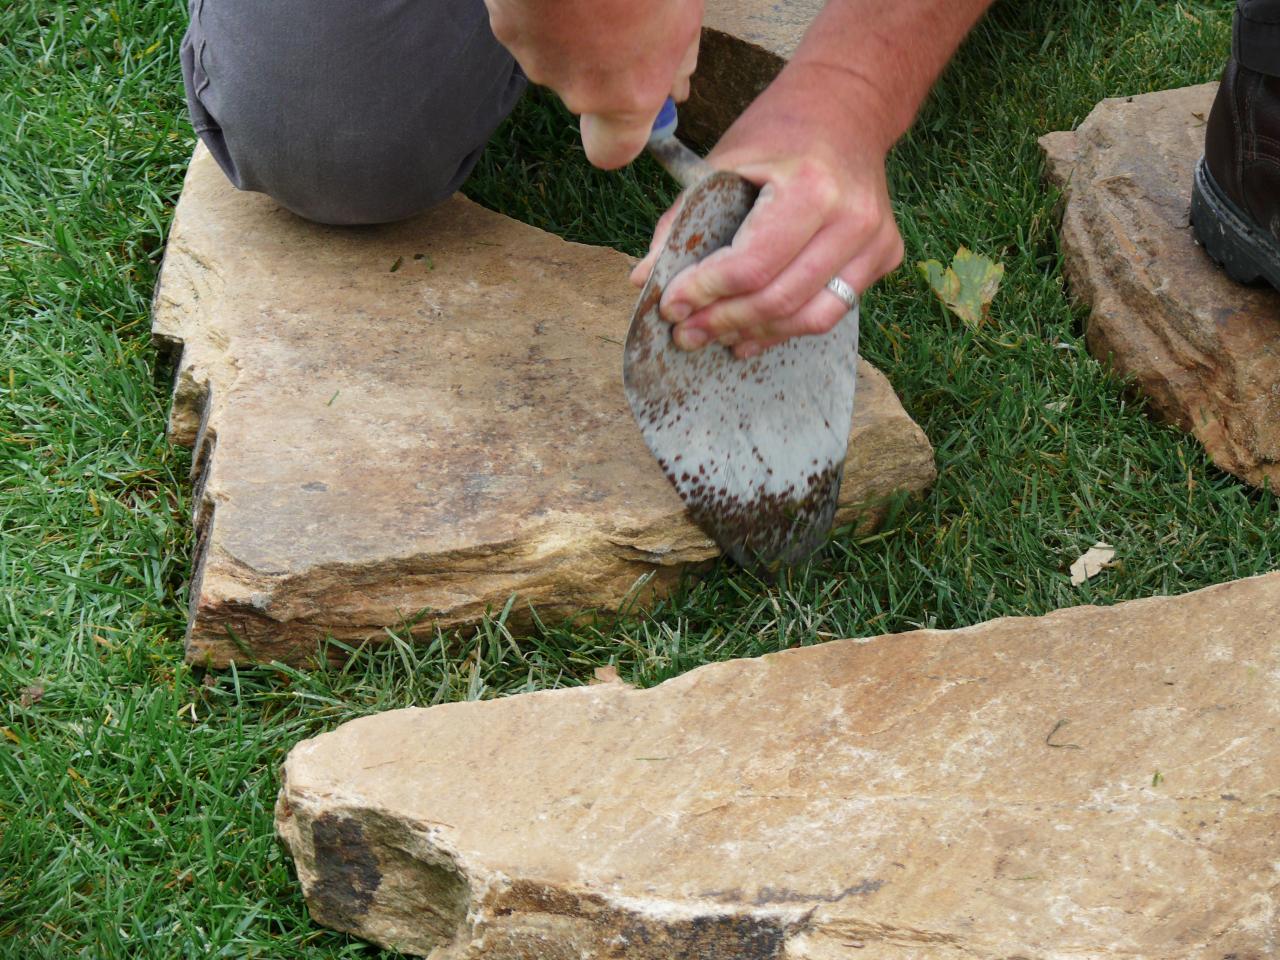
[135, 793]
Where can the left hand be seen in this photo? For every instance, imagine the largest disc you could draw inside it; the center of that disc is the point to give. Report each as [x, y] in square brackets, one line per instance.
[823, 211]
[613, 62]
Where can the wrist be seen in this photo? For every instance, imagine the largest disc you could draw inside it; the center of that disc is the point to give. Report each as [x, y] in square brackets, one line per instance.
[854, 102]
[812, 107]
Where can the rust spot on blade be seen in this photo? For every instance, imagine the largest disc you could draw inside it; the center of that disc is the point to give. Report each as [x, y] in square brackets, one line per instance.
[651, 299]
[692, 243]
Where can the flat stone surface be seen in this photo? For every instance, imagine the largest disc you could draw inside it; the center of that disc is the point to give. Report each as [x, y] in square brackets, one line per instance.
[744, 45]
[1099, 782]
[374, 442]
[1204, 351]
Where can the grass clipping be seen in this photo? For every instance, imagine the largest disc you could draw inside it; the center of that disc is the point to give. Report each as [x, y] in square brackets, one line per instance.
[967, 287]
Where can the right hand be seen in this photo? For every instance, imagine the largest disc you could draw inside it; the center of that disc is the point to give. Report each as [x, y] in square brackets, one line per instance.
[613, 62]
[816, 143]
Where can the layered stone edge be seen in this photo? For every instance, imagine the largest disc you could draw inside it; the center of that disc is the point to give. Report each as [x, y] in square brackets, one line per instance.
[1081, 222]
[482, 907]
[239, 614]
[731, 73]
[447, 906]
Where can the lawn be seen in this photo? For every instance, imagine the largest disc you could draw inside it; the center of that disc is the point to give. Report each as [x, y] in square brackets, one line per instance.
[136, 793]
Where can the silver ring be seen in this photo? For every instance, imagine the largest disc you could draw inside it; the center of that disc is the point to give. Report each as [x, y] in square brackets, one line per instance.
[845, 292]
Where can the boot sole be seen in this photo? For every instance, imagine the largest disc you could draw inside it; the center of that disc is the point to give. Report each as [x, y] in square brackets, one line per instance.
[1247, 252]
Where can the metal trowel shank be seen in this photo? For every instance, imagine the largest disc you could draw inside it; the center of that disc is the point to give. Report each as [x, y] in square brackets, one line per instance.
[755, 447]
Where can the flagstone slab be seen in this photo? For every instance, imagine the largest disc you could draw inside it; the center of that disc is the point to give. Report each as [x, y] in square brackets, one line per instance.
[423, 420]
[743, 46]
[1203, 350]
[1098, 782]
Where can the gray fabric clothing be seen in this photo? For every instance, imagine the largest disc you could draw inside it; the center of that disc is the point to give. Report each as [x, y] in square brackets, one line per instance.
[347, 111]
[1256, 40]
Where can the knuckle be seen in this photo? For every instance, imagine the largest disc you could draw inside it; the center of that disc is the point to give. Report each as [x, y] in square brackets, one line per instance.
[748, 273]
[724, 319]
[778, 301]
[896, 252]
[576, 100]
[818, 323]
[823, 187]
[862, 218]
[627, 102]
[505, 27]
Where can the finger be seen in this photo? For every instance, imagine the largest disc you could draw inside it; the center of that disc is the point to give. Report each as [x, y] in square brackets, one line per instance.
[772, 312]
[780, 225]
[799, 281]
[820, 315]
[825, 309]
[680, 89]
[640, 272]
[614, 140]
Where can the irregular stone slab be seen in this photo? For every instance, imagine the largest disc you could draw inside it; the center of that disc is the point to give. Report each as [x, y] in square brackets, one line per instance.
[744, 44]
[423, 416]
[1098, 782]
[1204, 351]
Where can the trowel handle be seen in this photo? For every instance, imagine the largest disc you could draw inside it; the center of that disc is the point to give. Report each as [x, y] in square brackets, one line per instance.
[678, 160]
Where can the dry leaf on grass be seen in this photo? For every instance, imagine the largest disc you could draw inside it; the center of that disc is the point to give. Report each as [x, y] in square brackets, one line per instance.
[607, 674]
[967, 287]
[29, 696]
[1093, 562]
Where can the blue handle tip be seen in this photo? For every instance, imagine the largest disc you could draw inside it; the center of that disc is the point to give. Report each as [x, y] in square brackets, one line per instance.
[665, 125]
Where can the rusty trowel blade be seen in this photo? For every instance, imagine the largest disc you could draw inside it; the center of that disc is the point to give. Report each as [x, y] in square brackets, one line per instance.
[755, 447]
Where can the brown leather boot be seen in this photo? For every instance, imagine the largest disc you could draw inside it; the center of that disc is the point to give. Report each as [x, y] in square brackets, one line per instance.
[1235, 201]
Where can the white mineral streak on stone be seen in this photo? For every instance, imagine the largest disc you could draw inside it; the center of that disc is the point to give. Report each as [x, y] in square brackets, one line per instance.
[799, 805]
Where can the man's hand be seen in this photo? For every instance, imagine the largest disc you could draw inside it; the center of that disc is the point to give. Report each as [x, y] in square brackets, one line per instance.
[815, 142]
[816, 145]
[613, 62]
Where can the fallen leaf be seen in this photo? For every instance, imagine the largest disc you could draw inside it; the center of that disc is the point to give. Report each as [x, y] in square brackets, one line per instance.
[967, 287]
[1093, 562]
[29, 696]
[607, 674]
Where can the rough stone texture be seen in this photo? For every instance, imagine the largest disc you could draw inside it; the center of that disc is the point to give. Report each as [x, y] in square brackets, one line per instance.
[1100, 782]
[744, 45]
[1205, 351]
[371, 443]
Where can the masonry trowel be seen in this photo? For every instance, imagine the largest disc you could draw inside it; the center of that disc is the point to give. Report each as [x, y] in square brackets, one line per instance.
[756, 447]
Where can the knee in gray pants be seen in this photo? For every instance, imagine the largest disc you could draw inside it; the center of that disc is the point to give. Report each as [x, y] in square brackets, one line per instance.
[347, 111]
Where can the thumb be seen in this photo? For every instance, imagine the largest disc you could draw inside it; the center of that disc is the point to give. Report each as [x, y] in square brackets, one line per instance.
[640, 272]
[613, 140]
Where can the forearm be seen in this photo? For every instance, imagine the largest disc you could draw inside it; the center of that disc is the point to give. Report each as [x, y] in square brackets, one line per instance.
[815, 141]
[884, 55]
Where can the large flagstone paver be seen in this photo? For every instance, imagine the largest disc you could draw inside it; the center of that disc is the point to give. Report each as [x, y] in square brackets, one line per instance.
[1098, 782]
[426, 416]
[1203, 350]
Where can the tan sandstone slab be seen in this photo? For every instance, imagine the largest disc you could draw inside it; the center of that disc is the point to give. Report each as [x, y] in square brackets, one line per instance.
[1099, 782]
[744, 44]
[1204, 351]
[375, 442]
